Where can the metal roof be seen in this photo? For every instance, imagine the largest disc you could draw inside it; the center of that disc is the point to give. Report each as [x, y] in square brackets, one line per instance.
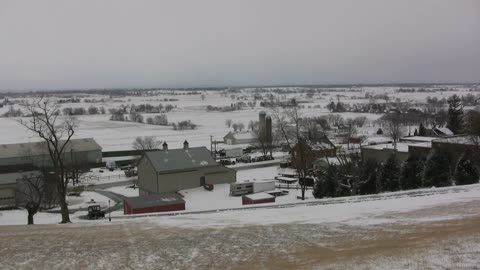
[11, 178]
[180, 159]
[154, 200]
[40, 148]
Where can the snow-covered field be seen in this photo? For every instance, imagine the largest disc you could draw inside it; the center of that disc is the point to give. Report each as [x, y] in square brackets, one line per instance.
[113, 135]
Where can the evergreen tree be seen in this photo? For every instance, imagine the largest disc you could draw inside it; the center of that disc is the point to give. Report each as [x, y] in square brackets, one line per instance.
[327, 183]
[422, 131]
[389, 174]
[379, 131]
[455, 114]
[369, 176]
[411, 173]
[415, 133]
[437, 169]
[466, 173]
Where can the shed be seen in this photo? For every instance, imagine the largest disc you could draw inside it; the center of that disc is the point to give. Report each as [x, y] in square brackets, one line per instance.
[163, 202]
[257, 198]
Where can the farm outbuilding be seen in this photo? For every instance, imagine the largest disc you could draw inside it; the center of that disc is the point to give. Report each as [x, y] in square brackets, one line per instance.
[241, 137]
[257, 198]
[173, 170]
[23, 156]
[154, 203]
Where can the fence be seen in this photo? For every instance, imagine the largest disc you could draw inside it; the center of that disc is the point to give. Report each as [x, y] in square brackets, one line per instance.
[292, 186]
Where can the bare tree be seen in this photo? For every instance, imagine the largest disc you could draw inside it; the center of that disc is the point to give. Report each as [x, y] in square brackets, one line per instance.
[56, 134]
[393, 127]
[31, 189]
[202, 96]
[228, 122]
[241, 126]
[301, 162]
[146, 143]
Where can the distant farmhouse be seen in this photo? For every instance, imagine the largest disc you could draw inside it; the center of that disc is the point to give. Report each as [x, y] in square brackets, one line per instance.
[319, 149]
[249, 137]
[171, 170]
[420, 147]
[245, 137]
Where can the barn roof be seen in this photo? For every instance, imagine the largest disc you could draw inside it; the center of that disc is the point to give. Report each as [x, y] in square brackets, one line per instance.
[259, 196]
[40, 148]
[180, 159]
[242, 135]
[154, 200]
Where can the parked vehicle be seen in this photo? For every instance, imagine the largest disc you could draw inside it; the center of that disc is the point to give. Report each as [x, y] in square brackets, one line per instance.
[95, 212]
[244, 159]
[131, 172]
[111, 165]
[237, 189]
[225, 162]
[261, 186]
[208, 187]
[233, 152]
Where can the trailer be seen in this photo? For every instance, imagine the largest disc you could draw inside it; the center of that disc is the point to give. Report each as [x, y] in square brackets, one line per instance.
[237, 189]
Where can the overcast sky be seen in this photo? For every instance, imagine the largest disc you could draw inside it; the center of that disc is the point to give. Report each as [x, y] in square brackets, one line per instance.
[114, 43]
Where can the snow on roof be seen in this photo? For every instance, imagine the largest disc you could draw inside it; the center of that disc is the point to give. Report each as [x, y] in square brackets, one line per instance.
[40, 148]
[401, 146]
[180, 159]
[445, 131]
[154, 200]
[419, 139]
[245, 135]
[457, 140]
[377, 139]
[259, 196]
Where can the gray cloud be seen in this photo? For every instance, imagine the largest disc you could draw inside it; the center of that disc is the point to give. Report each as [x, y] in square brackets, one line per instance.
[113, 43]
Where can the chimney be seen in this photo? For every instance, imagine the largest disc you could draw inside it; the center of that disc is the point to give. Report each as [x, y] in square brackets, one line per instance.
[165, 146]
[185, 145]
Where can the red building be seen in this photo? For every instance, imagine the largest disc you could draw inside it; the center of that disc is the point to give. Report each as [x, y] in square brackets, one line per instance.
[155, 203]
[257, 198]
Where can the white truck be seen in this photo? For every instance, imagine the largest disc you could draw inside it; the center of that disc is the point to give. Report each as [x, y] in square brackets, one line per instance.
[261, 186]
[251, 187]
[231, 153]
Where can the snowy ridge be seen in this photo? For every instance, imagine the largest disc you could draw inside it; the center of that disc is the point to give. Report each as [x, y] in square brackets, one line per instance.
[328, 201]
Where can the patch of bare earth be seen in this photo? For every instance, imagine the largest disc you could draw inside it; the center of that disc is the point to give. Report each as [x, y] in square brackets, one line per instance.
[403, 243]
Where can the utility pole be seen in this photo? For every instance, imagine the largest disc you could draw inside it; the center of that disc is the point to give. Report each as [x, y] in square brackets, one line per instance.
[211, 146]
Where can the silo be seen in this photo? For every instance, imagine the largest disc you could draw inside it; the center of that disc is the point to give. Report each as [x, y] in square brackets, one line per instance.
[268, 129]
[261, 126]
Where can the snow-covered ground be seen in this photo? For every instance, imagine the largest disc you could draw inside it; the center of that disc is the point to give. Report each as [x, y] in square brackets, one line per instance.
[355, 211]
[425, 232]
[127, 191]
[97, 176]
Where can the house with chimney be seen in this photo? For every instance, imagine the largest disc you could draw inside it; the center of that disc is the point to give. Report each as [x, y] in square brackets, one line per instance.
[172, 170]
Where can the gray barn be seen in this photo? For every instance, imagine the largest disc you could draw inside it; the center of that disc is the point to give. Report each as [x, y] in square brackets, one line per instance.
[177, 169]
[22, 156]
